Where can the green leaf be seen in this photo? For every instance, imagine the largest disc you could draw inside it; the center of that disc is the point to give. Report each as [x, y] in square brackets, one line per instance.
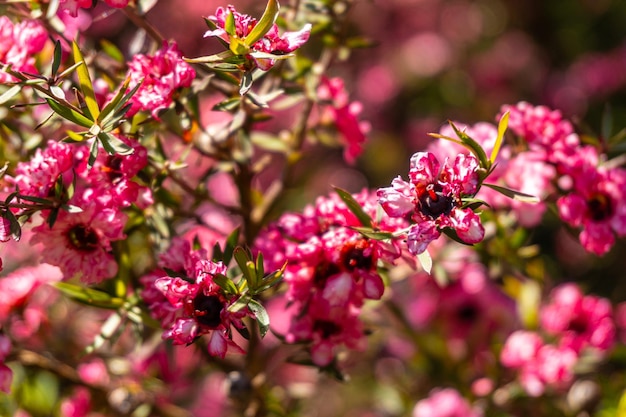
[56, 62]
[115, 101]
[111, 50]
[354, 207]
[271, 280]
[262, 318]
[222, 56]
[14, 226]
[86, 87]
[9, 94]
[373, 234]
[515, 195]
[473, 146]
[225, 284]
[89, 296]
[426, 261]
[242, 257]
[69, 114]
[264, 24]
[246, 83]
[229, 25]
[93, 153]
[502, 125]
[113, 145]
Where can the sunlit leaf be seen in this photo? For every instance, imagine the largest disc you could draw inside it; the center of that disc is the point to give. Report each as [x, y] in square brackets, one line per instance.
[69, 114]
[515, 195]
[86, 87]
[9, 94]
[89, 296]
[262, 318]
[56, 62]
[264, 24]
[426, 261]
[502, 125]
[373, 234]
[354, 207]
[113, 145]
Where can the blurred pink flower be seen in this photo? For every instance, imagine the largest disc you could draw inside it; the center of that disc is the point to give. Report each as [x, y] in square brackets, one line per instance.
[19, 43]
[579, 321]
[520, 348]
[80, 243]
[78, 404]
[337, 109]
[445, 402]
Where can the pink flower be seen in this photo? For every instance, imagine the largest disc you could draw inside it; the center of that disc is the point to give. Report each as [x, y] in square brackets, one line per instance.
[520, 348]
[432, 200]
[552, 367]
[446, 402]
[18, 44]
[271, 42]
[331, 270]
[163, 74]
[596, 204]
[580, 321]
[201, 307]
[38, 176]
[344, 115]
[80, 243]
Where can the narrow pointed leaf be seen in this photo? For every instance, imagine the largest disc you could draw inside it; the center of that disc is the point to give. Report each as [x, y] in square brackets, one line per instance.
[113, 145]
[229, 25]
[56, 62]
[426, 261]
[515, 195]
[112, 105]
[9, 94]
[225, 284]
[262, 318]
[354, 207]
[473, 146]
[246, 83]
[86, 86]
[264, 24]
[373, 234]
[69, 114]
[502, 125]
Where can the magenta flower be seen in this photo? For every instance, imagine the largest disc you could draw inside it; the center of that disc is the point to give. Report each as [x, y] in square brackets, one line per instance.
[445, 402]
[432, 200]
[580, 321]
[201, 307]
[344, 115]
[596, 204]
[271, 42]
[331, 271]
[19, 43]
[163, 74]
[80, 243]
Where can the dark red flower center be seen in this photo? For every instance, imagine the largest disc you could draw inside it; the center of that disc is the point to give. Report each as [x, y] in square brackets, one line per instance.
[433, 203]
[83, 238]
[326, 328]
[353, 255]
[600, 207]
[207, 309]
[468, 313]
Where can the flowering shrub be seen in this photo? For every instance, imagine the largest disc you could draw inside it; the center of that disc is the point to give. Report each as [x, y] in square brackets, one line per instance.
[214, 234]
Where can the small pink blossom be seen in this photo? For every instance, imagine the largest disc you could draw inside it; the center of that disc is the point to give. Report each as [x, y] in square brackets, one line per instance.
[580, 321]
[337, 109]
[161, 76]
[271, 42]
[432, 199]
[19, 42]
[80, 243]
[446, 402]
[520, 348]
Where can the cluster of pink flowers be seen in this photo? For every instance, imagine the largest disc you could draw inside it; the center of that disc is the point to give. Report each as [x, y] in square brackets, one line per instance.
[331, 270]
[524, 171]
[579, 324]
[432, 200]
[191, 304]
[342, 113]
[270, 43]
[446, 402]
[161, 75]
[19, 42]
[72, 6]
[593, 192]
[79, 241]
